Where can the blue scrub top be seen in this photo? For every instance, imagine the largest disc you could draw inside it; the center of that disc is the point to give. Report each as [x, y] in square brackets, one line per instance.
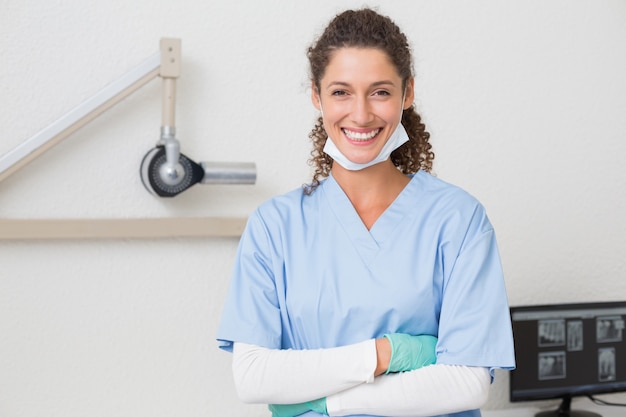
[308, 274]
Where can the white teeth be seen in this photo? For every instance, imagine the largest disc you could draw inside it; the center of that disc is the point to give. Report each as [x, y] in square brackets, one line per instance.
[359, 135]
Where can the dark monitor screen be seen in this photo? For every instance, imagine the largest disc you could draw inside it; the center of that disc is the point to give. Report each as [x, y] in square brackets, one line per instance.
[567, 350]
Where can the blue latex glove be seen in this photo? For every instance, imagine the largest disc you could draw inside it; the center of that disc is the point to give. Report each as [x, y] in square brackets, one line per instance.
[410, 352]
[292, 410]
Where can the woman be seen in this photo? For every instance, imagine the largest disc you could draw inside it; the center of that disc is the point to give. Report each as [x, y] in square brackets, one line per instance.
[341, 289]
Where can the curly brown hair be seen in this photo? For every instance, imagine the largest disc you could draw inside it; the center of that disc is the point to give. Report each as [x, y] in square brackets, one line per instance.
[365, 28]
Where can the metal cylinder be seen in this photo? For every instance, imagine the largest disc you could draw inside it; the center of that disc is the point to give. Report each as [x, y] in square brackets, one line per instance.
[229, 172]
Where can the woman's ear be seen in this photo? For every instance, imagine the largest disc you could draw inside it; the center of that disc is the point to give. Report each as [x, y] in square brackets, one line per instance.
[315, 97]
[409, 93]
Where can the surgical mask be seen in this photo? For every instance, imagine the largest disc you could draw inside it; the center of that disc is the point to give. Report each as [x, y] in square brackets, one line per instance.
[398, 138]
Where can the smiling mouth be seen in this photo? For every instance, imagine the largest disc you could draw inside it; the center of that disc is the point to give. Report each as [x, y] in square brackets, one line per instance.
[360, 136]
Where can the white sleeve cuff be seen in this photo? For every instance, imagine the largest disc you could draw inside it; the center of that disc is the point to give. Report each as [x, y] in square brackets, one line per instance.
[275, 376]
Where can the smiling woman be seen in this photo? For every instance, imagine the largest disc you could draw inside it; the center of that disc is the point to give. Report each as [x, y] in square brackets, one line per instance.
[363, 97]
[388, 68]
[377, 289]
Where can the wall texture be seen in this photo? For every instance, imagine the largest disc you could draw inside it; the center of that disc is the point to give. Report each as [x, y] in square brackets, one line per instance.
[525, 101]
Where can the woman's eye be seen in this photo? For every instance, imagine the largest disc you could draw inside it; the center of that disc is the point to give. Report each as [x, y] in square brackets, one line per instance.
[339, 93]
[381, 93]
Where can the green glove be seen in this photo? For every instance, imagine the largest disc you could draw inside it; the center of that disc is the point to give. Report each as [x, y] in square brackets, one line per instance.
[410, 352]
[288, 410]
[292, 410]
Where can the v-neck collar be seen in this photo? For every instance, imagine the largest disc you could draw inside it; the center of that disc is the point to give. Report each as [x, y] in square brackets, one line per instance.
[367, 242]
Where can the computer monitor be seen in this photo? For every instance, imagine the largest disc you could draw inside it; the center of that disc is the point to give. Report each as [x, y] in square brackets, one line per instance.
[568, 350]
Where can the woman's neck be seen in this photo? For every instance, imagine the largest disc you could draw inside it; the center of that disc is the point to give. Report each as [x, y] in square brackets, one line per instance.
[371, 190]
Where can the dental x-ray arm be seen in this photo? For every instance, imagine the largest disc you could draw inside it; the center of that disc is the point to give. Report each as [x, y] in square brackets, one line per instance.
[164, 170]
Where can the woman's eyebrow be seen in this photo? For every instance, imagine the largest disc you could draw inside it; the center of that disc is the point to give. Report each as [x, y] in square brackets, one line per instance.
[384, 82]
[333, 84]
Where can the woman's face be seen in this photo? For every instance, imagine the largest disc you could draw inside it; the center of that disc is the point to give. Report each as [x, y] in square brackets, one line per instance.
[361, 100]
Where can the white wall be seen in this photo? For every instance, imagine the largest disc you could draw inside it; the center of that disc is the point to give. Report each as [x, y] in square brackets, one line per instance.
[525, 101]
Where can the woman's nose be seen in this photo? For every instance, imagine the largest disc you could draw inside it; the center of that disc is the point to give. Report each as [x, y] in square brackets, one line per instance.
[362, 112]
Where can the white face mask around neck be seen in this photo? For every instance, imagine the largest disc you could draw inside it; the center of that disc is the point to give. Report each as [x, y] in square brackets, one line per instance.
[398, 138]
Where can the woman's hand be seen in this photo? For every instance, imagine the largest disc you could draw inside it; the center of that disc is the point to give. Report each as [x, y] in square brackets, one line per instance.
[292, 410]
[404, 352]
